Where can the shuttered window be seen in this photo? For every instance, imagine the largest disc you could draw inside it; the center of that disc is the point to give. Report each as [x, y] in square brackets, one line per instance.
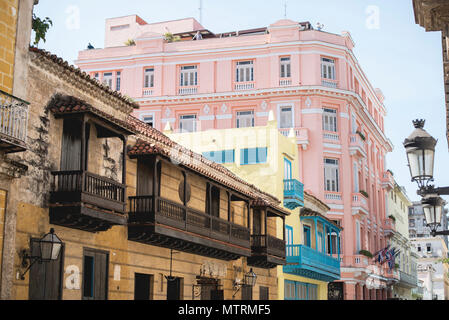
[187, 123]
[253, 156]
[328, 68]
[294, 290]
[188, 76]
[107, 79]
[286, 117]
[244, 71]
[330, 120]
[222, 156]
[285, 67]
[331, 175]
[149, 78]
[245, 119]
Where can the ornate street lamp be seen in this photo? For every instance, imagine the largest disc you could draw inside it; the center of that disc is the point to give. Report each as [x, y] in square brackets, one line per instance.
[433, 208]
[49, 248]
[420, 149]
[250, 278]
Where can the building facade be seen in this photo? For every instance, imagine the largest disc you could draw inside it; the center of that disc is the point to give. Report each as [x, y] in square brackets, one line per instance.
[139, 216]
[15, 32]
[431, 270]
[417, 222]
[433, 15]
[268, 159]
[309, 78]
[406, 260]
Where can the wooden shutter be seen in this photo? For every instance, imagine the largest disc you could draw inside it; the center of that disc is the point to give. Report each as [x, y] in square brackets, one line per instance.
[46, 277]
[145, 169]
[174, 289]
[95, 275]
[247, 293]
[71, 145]
[143, 286]
[264, 293]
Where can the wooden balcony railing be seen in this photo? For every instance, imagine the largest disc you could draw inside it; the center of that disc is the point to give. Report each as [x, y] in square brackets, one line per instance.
[176, 215]
[13, 120]
[268, 244]
[88, 183]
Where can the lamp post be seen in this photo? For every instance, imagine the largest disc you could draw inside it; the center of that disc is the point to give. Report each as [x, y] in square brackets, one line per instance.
[420, 149]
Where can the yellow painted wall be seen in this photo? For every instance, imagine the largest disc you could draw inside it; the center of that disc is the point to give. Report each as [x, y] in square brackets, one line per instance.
[2, 220]
[8, 24]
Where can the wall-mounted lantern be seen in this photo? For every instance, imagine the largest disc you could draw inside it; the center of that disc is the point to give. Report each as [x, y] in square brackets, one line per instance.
[49, 249]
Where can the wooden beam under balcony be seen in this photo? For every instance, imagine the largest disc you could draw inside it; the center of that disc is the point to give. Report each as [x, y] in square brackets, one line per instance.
[86, 201]
[161, 222]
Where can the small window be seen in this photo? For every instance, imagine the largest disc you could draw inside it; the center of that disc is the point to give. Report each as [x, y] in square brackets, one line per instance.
[253, 156]
[107, 79]
[264, 293]
[245, 119]
[328, 68]
[149, 78]
[189, 76]
[223, 156]
[244, 71]
[286, 117]
[118, 81]
[148, 119]
[285, 67]
[187, 123]
[330, 120]
[331, 175]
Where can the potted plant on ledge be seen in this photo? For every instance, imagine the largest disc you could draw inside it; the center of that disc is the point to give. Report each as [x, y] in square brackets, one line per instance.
[366, 253]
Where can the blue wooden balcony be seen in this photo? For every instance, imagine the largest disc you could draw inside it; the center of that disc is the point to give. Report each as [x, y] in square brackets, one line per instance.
[308, 262]
[293, 194]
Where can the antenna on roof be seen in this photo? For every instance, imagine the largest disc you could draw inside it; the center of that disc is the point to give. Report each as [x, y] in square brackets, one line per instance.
[285, 10]
[201, 12]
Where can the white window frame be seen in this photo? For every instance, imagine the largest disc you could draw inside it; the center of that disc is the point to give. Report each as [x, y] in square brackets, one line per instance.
[356, 177]
[330, 120]
[148, 78]
[280, 107]
[328, 68]
[244, 71]
[188, 76]
[285, 67]
[148, 114]
[247, 115]
[108, 77]
[331, 175]
[358, 236]
[186, 118]
[118, 80]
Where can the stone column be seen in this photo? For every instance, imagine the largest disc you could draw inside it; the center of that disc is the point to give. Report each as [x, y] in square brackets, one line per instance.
[349, 290]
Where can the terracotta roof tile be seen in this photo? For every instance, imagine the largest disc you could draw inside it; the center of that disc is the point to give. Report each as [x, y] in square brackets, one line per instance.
[155, 142]
[61, 62]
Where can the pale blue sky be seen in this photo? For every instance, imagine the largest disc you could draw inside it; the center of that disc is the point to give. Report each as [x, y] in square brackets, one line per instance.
[399, 57]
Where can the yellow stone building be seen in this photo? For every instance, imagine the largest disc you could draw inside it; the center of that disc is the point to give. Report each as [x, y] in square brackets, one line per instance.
[268, 159]
[397, 204]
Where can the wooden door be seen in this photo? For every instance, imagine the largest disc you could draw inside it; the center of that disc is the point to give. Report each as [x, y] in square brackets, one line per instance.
[95, 275]
[71, 145]
[45, 277]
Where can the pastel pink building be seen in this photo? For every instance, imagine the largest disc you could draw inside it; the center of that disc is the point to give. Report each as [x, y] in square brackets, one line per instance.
[309, 78]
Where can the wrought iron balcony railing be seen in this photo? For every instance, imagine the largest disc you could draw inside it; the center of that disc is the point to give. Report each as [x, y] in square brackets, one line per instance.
[293, 193]
[13, 123]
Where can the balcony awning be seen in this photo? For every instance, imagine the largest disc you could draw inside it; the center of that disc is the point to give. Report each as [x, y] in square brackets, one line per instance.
[308, 213]
[64, 105]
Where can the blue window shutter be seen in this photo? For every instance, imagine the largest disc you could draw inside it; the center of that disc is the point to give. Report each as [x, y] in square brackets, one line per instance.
[252, 156]
[261, 155]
